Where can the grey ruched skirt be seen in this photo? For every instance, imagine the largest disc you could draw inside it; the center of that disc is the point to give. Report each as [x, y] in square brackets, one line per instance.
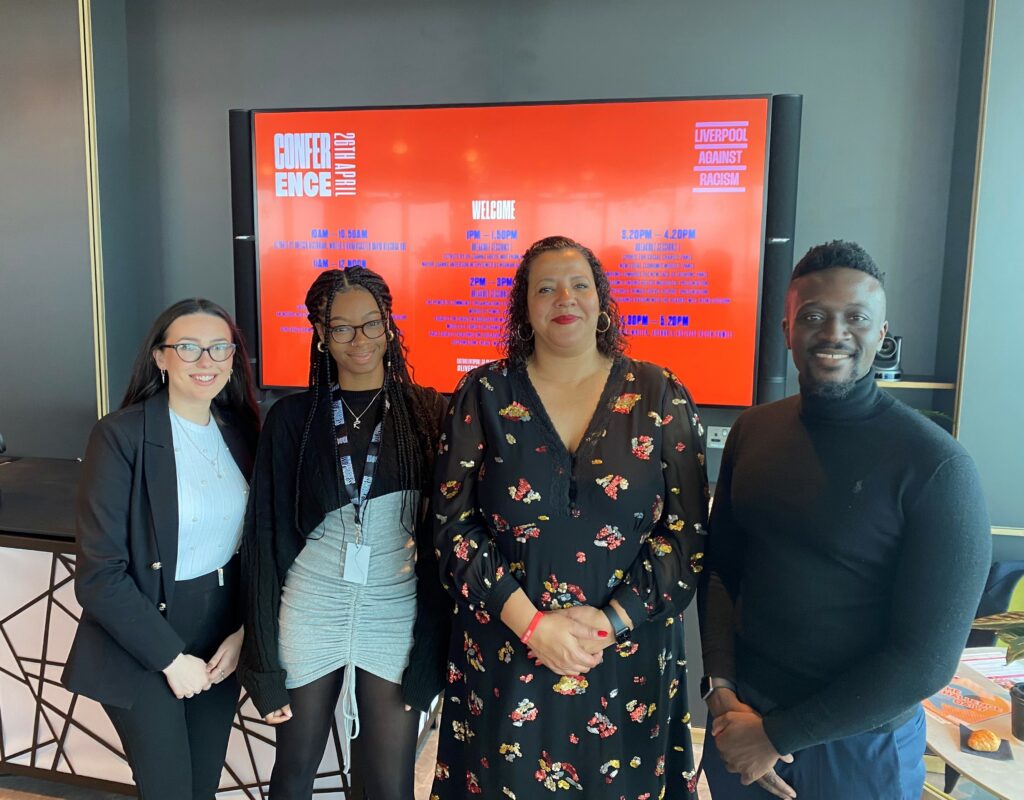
[326, 622]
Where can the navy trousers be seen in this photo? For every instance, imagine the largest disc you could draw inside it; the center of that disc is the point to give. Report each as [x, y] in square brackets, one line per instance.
[875, 765]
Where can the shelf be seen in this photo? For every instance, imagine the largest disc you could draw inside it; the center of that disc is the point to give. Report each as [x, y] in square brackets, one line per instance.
[917, 382]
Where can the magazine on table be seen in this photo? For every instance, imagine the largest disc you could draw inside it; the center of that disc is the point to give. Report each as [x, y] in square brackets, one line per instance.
[966, 701]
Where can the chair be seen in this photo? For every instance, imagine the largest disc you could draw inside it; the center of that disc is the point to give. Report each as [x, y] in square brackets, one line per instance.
[1003, 578]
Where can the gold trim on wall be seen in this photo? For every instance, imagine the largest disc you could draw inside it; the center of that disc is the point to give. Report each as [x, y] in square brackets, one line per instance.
[92, 181]
[979, 151]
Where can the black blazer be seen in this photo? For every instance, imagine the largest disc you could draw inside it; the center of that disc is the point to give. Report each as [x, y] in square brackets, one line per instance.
[127, 536]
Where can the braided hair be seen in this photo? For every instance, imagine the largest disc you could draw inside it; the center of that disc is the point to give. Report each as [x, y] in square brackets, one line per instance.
[611, 342]
[413, 423]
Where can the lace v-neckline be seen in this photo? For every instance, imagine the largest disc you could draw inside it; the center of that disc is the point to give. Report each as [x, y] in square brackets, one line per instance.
[597, 417]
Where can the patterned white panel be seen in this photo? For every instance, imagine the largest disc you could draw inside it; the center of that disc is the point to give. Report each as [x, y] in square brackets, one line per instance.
[73, 736]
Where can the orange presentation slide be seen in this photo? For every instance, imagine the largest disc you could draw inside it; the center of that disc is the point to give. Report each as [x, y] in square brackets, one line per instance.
[443, 201]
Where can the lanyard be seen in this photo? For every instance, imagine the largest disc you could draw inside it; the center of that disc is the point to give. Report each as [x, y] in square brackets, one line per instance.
[348, 475]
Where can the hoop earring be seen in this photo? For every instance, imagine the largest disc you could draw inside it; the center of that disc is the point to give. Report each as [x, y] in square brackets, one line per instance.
[163, 376]
[519, 331]
[320, 346]
[608, 317]
[391, 335]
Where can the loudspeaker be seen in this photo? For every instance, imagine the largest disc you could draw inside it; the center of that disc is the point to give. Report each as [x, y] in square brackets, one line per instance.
[887, 359]
[243, 224]
[779, 227]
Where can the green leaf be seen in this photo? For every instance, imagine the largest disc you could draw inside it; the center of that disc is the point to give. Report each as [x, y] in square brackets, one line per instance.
[1007, 620]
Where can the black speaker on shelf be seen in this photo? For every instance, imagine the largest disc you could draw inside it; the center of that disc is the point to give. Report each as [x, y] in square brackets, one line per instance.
[887, 359]
[243, 225]
[3, 449]
[780, 225]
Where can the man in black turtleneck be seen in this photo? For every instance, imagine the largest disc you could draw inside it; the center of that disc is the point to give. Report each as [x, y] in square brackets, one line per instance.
[848, 548]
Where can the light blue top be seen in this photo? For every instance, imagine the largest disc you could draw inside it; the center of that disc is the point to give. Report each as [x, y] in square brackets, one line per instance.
[211, 498]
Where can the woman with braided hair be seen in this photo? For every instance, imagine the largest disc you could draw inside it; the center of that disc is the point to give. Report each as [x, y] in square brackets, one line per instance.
[343, 593]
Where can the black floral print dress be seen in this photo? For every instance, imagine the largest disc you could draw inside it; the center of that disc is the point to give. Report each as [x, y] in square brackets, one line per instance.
[623, 517]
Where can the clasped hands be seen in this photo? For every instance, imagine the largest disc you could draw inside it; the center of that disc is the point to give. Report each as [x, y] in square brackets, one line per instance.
[571, 641]
[744, 746]
[188, 675]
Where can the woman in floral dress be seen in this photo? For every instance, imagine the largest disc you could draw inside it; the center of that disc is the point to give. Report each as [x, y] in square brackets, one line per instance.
[571, 499]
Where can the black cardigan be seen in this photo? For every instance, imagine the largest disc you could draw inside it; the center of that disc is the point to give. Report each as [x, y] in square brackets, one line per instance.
[271, 542]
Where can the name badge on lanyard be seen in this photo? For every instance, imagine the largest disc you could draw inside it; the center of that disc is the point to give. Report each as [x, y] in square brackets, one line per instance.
[357, 554]
[357, 563]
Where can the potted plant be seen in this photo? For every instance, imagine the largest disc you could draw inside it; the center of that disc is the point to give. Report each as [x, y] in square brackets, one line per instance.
[1008, 626]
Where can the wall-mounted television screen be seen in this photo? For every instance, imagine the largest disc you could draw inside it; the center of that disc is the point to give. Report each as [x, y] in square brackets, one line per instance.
[442, 201]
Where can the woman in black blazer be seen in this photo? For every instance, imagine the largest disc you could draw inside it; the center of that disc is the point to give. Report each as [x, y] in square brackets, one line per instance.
[159, 516]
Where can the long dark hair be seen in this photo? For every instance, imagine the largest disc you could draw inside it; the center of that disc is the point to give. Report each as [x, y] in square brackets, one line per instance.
[610, 342]
[414, 425]
[237, 396]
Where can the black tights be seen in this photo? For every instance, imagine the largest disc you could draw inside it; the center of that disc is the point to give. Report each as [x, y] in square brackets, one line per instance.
[383, 755]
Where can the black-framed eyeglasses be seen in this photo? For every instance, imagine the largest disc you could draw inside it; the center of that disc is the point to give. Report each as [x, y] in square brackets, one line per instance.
[343, 334]
[190, 353]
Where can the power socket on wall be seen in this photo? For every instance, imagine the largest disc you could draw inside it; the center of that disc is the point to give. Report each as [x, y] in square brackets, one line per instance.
[717, 434]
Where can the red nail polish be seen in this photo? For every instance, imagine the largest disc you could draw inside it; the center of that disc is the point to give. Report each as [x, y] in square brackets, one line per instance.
[602, 634]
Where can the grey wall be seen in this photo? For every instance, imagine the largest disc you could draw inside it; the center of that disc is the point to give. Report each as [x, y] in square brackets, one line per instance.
[879, 79]
[961, 190]
[132, 289]
[879, 83]
[991, 426]
[47, 373]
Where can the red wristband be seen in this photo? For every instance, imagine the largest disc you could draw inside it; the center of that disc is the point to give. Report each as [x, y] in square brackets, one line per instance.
[531, 627]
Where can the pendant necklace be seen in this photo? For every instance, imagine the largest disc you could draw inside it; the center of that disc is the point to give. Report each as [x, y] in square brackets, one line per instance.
[213, 462]
[356, 417]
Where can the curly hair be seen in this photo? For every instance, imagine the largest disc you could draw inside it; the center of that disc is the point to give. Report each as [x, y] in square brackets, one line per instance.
[837, 253]
[414, 425]
[611, 342]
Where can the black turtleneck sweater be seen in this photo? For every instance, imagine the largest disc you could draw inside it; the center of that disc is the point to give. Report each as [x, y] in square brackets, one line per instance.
[854, 540]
